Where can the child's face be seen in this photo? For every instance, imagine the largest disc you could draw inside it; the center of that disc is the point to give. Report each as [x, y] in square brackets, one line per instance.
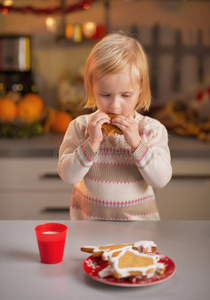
[117, 94]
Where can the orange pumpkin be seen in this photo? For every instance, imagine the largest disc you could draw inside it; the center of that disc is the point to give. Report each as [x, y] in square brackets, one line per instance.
[61, 121]
[30, 107]
[8, 109]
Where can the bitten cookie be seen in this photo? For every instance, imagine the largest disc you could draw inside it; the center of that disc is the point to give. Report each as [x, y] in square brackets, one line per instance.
[109, 129]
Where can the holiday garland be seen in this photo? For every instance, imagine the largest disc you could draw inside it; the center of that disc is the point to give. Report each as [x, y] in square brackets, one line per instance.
[47, 11]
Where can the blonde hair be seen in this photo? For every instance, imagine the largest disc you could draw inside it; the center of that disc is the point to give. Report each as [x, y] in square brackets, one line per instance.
[113, 54]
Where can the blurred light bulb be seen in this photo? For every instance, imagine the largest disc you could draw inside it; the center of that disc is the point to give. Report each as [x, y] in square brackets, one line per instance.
[69, 31]
[89, 28]
[50, 24]
[7, 2]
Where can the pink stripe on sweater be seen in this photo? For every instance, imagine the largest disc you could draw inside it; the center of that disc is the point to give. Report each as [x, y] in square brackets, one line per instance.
[119, 219]
[115, 204]
[145, 153]
[144, 132]
[114, 181]
[85, 155]
[113, 164]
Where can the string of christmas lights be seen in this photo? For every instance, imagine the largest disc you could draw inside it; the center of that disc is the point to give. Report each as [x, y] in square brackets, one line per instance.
[82, 5]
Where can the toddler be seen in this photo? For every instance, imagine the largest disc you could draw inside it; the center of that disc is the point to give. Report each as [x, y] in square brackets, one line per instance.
[114, 176]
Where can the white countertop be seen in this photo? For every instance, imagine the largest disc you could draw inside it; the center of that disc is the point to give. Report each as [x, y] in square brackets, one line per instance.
[23, 276]
[41, 146]
[46, 145]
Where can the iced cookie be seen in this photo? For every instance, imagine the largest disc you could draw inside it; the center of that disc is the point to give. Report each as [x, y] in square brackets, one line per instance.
[131, 264]
[107, 251]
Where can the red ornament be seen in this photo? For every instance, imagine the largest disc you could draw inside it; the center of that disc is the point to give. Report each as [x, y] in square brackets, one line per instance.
[100, 32]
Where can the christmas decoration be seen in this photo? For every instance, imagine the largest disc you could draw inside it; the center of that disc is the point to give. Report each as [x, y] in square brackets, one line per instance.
[82, 5]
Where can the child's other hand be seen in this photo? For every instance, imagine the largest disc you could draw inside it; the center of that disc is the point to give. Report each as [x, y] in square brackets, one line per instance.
[95, 131]
[130, 130]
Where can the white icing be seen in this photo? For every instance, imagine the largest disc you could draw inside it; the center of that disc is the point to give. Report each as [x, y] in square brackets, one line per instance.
[160, 267]
[108, 253]
[157, 257]
[105, 272]
[100, 248]
[106, 249]
[145, 245]
[125, 272]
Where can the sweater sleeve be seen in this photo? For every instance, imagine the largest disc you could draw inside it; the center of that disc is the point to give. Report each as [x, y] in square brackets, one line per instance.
[75, 154]
[152, 157]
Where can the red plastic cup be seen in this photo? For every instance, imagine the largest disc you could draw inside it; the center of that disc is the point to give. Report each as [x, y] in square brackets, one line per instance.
[51, 238]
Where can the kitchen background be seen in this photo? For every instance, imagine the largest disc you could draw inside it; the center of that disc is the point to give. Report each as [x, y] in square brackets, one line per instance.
[54, 39]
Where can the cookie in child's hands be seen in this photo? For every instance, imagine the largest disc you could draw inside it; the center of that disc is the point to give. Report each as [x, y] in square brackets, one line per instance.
[109, 129]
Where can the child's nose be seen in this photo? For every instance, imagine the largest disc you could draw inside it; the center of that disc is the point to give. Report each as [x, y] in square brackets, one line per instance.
[115, 103]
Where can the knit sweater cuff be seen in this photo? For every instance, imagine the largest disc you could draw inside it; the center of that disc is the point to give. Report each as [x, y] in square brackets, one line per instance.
[87, 152]
[142, 154]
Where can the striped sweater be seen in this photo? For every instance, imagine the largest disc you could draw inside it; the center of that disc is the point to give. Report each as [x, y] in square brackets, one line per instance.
[115, 183]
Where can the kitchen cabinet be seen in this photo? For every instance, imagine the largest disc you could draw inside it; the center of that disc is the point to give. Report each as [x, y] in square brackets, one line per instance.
[31, 189]
[187, 195]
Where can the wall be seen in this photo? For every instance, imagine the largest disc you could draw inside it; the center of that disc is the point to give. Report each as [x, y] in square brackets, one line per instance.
[52, 60]
[187, 16]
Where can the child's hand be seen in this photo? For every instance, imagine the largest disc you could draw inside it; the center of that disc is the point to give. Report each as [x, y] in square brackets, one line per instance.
[95, 131]
[130, 130]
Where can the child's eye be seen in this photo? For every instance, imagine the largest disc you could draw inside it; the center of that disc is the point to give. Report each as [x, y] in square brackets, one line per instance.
[126, 95]
[105, 95]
